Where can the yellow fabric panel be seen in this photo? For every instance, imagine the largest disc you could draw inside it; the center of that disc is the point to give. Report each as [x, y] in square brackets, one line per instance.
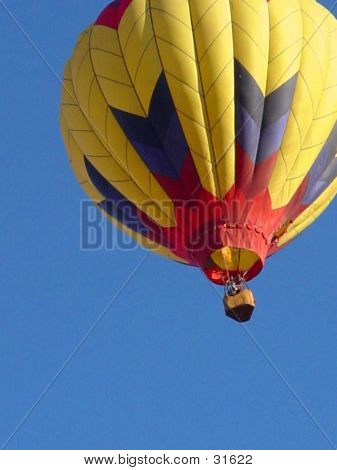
[89, 143]
[71, 114]
[105, 39]
[77, 162]
[74, 124]
[93, 144]
[290, 167]
[250, 20]
[77, 147]
[134, 19]
[110, 66]
[81, 71]
[79, 170]
[204, 168]
[147, 75]
[120, 96]
[285, 42]
[111, 72]
[310, 214]
[213, 38]
[223, 137]
[234, 259]
[97, 112]
[68, 91]
[74, 117]
[175, 41]
[139, 50]
[325, 115]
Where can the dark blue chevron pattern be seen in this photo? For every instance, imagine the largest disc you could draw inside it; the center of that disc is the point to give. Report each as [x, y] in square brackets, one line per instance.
[324, 170]
[158, 138]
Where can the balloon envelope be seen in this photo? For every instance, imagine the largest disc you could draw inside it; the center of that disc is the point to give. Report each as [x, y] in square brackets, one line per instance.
[206, 130]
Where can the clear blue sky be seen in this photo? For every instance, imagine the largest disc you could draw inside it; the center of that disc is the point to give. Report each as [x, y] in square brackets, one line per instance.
[164, 369]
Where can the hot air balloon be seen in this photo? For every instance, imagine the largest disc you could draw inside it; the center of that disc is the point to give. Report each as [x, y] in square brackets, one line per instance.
[207, 129]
